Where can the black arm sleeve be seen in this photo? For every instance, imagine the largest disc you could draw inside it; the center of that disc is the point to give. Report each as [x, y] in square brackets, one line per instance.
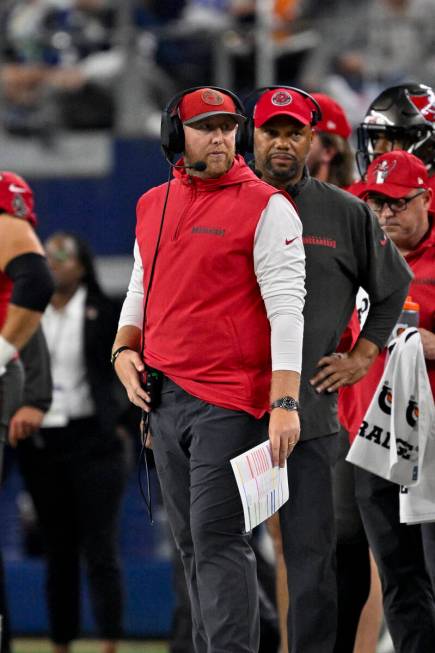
[33, 283]
[383, 316]
[38, 382]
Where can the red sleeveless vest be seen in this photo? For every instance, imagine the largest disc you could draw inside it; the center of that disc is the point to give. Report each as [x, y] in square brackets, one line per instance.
[206, 324]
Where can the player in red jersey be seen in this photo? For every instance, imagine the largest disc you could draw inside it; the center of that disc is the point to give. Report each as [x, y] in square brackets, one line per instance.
[25, 289]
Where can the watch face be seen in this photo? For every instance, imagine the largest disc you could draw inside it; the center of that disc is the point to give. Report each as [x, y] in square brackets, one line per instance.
[286, 402]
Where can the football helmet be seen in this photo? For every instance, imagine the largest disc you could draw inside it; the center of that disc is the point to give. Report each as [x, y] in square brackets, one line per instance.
[394, 121]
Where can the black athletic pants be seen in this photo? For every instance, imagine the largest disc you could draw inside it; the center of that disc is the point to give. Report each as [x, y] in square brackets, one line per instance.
[353, 559]
[193, 442]
[398, 549]
[428, 532]
[308, 534]
[76, 476]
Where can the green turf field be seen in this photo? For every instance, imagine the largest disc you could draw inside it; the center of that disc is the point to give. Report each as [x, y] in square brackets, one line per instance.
[88, 646]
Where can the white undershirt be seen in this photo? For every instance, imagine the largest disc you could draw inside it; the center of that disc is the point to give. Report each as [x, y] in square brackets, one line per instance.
[63, 329]
[280, 272]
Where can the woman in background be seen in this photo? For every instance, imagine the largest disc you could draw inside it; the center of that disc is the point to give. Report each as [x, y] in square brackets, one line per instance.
[74, 466]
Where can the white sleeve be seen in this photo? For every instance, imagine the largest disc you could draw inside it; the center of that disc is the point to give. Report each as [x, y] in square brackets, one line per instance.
[279, 262]
[132, 308]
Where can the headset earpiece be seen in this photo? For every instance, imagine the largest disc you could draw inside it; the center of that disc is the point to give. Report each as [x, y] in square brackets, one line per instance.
[316, 113]
[171, 127]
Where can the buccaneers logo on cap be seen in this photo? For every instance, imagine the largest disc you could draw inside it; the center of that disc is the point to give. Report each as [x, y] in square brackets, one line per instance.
[383, 169]
[281, 98]
[19, 206]
[212, 97]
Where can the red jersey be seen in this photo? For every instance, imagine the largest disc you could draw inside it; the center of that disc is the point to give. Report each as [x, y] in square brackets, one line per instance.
[5, 296]
[355, 399]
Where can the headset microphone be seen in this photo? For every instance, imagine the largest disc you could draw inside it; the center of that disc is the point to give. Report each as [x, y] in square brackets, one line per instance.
[199, 166]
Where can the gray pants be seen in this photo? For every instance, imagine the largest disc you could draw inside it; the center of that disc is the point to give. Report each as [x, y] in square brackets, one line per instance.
[11, 391]
[193, 442]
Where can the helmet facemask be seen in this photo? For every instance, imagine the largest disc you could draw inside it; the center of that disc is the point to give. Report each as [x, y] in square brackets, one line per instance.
[394, 118]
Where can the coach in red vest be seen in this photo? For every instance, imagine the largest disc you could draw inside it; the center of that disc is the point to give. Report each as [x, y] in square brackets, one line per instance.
[220, 337]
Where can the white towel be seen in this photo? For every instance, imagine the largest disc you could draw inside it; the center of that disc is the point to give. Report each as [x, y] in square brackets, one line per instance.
[393, 436]
[417, 503]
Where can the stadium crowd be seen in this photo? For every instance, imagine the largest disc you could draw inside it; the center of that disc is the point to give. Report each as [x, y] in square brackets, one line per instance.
[305, 207]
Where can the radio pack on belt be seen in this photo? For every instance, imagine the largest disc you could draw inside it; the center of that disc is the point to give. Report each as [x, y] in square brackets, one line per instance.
[153, 385]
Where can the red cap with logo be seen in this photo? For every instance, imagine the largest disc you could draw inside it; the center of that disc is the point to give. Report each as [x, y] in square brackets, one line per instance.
[282, 102]
[395, 174]
[16, 197]
[334, 120]
[206, 102]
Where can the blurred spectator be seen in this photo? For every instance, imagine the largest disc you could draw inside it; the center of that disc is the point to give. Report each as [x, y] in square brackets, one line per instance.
[331, 157]
[63, 62]
[212, 15]
[43, 44]
[373, 45]
[216, 40]
[191, 40]
[74, 466]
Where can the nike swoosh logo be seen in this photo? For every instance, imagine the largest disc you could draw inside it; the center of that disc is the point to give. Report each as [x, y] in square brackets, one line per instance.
[383, 242]
[16, 189]
[287, 242]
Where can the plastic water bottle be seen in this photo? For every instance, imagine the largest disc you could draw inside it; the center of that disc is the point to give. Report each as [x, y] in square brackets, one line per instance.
[409, 317]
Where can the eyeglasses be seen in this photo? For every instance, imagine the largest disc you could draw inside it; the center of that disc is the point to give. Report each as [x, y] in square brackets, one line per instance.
[396, 205]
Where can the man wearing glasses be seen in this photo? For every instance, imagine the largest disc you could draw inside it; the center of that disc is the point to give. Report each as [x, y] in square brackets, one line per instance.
[378, 203]
[399, 193]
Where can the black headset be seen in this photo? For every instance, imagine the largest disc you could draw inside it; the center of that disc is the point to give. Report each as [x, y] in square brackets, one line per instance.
[252, 99]
[171, 128]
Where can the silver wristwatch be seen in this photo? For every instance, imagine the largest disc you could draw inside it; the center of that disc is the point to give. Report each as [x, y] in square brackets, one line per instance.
[288, 403]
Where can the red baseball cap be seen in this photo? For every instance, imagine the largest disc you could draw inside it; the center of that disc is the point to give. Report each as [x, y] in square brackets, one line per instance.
[282, 102]
[395, 174]
[334, 120]
[16, 197]
[205, 102]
